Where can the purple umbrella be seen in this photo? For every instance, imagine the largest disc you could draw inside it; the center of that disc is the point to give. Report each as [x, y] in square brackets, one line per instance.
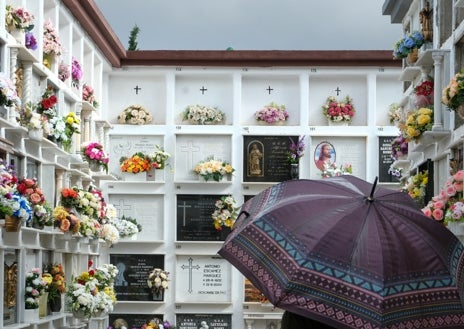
[348, 254]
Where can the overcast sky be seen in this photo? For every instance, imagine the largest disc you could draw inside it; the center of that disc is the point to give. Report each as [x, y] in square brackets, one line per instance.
[253, 24]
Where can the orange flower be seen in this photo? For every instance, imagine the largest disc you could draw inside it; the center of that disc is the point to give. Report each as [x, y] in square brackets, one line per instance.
[64, 225]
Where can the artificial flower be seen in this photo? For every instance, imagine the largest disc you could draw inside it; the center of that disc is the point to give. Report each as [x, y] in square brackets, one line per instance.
[137, 163]
[88, 95]
[399, 147]
[339, 111]
[418, 122]
[64, 72]
[8, 94]
[212, 169]
[272, 113]
[51, 40]
[333, 170]
[296, 150]
[453, 93]
[415, 185]
[405, 46]
[159, 158]
[31, 42]
[157, 280]
[18, 18]
[225, 212]
[203, 115]
[35, 286]
[135, 115]
[93, 152]
[76, 72]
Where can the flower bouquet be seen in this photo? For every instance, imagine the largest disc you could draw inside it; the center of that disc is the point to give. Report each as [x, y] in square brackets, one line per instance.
[8, 95]
[46, 106]
[137, 163]
[87, 203]
[212, 169]
[93, 153]
[395, 172]
[72, 126]
[418, 122]
[296, 150]
[336, 111]
[18, 18]
[157, 324]
[55, 277]
[127, 226]
[55, 129]
[69, 197]
[76, 72]
[424, 93]
[272, 113]
[225, 212]
[416, 185]
[406, 45]
[88, 95]
[31, 41]
[399, 147]
[394, 113]
[66, 220]
[109, 233]
[157, 280]
[51, 40]
[203, 115]
[447, 206]
[159, 158]
[332, 170]
[41, 210]
[35, 286]
[453, 94]
[135, 115]
[64, 72]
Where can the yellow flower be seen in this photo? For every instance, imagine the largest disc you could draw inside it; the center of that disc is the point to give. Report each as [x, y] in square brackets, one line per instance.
[423, 119]
[425, 110]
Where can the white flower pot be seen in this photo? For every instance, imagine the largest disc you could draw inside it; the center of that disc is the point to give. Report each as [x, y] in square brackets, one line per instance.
[31, 315]
[35, 134]
[19, 35]
[338, 123]
[457, 228]
[130, 177]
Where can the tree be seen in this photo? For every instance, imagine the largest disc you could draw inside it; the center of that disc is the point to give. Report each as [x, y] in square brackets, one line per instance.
[133, 38]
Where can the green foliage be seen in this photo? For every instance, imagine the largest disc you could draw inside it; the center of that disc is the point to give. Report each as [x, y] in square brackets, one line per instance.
[133, 38]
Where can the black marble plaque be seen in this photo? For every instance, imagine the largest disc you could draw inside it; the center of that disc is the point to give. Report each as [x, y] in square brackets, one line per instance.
[132, 320]
[200, 321]
[265, 158]
[194, 221]
[131, 282]
[385, 159]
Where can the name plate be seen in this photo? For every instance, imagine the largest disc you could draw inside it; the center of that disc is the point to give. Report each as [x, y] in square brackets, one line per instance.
[131, 282]
[265, 158]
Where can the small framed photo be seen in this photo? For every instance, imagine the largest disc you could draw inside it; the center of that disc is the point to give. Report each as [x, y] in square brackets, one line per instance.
[324, 155]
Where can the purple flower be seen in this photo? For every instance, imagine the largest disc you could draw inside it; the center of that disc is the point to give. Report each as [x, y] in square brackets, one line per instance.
[296, 150]
[31, 42]
[76, 72]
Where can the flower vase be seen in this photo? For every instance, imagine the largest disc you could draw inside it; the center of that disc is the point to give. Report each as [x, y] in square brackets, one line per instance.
[294, 171]
[275, 123]
[412, 56]
[31, 315]
[43, 305]
[457, 228]
[48, 60]
[12, 223]
[35, 134]
[55, 304]
[158, 295]
[19, 35]
[201, 179]
[94, 166]
[151, 175]
[131, 177]
[338, 123]
[460, 111]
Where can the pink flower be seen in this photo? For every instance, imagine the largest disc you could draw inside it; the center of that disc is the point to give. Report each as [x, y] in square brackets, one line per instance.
[437, 214]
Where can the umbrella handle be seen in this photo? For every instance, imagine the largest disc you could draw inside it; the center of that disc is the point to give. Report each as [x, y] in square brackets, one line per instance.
[247, 214]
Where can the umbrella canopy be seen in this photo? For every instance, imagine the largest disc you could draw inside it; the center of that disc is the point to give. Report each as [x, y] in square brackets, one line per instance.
[350, 255]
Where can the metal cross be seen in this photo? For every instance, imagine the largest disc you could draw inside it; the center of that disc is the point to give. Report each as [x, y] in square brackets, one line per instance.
[338, 90]
[269, 89]
[203, 89]
[190, 267]
[137, 88]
